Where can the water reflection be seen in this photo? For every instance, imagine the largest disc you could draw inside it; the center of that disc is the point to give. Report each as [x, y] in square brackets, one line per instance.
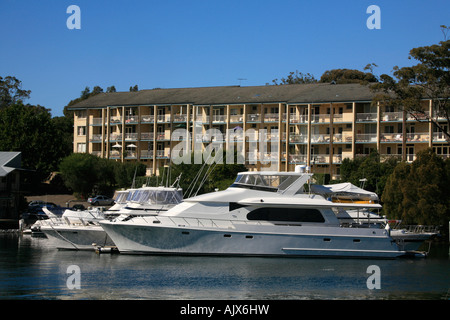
[29, 269]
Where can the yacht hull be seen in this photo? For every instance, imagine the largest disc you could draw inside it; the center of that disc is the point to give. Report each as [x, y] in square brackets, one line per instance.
[76, 237]
[313, 241]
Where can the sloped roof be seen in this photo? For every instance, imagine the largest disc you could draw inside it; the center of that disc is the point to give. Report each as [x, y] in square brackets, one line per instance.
[294, 93]
[9, 161]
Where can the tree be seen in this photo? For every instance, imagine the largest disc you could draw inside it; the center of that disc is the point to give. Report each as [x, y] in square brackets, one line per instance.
[342, 76]
[79, 172]
[418, 193]
[296, 78]
[11, 91]
[31, 130]
[134, 89]
[428, 79]
[370, 168]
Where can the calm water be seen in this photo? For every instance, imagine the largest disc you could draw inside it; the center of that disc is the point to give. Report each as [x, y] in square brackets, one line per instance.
[29, 269]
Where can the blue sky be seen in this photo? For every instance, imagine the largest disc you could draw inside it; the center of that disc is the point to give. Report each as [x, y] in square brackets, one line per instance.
[192, 43]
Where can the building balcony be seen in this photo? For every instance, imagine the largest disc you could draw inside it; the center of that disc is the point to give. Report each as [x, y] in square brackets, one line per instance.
[162, 136]
[161, 154]
[366, 117]
[163, 118]
[146, 154]
[366, 137]
[417, 116]
[298, 138]
[146, 136]
[115, 120]
[236, 118]
[115, 137]
[320, 138]
[131, 119]
[296, 118]
[147, 119]
[418, 137]
[298, 159]
[219, 118]
[179, 117]
[320, 158]
[342, 138]
[96, 138]
[131, 136]
[115, 154]
[439, 136]
[320, 118]
[254, 117]
[271, 117]
[391, 137]
[392, 116]
[130, 154]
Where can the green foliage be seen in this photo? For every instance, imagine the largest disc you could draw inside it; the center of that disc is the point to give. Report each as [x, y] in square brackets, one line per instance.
[418, 193]
[341, 76]
[11, 91]
[376, 172]
[85, 174]
[428, 79]
[32, 131]
[296, 78]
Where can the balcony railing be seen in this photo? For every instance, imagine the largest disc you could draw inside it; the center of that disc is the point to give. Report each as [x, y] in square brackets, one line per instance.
[298, 138]
[418, 137]
[236, 118]
[131, 119]
[297, 158]
[320, 138]
[320, 158]
[147, 119]
[295, 118]
[115, 120]
[115, 137]
[95, 138]
[254, 117]
[219, 118]
[146, 154]
[366, 117]
[391, 137]
[320, 118]
[392, 116]
[131, 136]
[179, 117]
[366, 137]
[161, 154]
[163, 118]
[271, 117]
[147, 136]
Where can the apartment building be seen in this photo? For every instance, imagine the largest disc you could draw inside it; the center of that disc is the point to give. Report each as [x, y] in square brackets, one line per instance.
[317, 125]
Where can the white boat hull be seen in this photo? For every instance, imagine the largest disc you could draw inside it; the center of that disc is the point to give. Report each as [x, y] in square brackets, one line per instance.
[76, 237]
[292, 241]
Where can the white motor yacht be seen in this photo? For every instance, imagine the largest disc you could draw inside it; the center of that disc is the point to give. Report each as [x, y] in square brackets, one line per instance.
[80, 230]
[260, 214]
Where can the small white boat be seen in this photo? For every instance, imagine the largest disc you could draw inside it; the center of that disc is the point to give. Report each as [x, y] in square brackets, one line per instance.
[261, 214]
[80, 230]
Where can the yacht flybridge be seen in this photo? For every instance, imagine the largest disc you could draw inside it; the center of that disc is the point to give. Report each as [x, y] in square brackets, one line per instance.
[261, 214]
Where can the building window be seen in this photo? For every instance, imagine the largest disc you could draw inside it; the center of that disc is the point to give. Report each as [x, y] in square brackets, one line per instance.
[81, 147]
[81, 130]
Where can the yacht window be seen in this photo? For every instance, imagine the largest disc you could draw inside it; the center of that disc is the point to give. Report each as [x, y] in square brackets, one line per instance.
[286, 214]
